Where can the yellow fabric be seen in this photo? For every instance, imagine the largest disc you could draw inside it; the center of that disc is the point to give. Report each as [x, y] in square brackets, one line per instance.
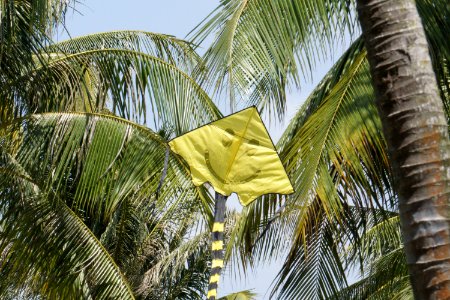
[217, 263]
[234, 154]
[217, 245]
[214, 278]
[211, 293]
[218, 227]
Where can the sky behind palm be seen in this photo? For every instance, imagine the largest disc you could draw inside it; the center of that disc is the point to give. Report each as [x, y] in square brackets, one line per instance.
[178, 18]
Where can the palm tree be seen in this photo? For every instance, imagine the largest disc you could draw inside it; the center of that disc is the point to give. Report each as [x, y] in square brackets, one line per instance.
[83, 211]
[79, 215]
[333, 149]
[416, 132]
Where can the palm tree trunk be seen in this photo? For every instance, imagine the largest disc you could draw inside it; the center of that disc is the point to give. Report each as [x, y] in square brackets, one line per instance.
[417, 136]
[217, 245]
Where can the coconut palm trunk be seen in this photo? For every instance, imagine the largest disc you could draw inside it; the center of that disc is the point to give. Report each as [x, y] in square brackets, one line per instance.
[416, 131]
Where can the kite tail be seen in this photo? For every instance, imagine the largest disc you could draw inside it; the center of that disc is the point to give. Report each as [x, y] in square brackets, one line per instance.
[217, 245]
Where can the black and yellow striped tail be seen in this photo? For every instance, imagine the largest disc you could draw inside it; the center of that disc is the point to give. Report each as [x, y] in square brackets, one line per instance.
[217, 245]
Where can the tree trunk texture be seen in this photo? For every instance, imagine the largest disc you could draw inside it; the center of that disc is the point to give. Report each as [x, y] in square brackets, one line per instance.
[416, 132]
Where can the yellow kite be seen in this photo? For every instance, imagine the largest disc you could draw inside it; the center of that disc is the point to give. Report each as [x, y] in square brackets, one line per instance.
[234, 154]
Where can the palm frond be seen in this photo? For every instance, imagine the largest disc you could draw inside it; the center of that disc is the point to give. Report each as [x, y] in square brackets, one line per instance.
[22, 36]
[177, 264]
[98, 161]
[256, 224]
[333, 149]
[436, 16]
[335, 156]
[25, 30]
[170, 49]
[104, 171]
[261, 46]
[313, 268]
[324, 167]
[382, 262]
[133, 84]
[48, 250]
[41, 16]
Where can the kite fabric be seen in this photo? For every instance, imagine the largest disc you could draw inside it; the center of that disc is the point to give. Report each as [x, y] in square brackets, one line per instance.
[234, 154]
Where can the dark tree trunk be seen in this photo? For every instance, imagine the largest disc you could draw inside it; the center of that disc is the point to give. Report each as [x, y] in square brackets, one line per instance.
[416, 131]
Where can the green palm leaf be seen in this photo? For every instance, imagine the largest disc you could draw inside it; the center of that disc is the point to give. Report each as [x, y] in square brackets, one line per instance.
[98, 172]
[42, 239]
[343, 131]
[97, 159]
[26, 27]
[335, 154]
[382, 262]
[170, 49]
[313, 271]
[332, 151]
[261, 45]
[333, 148]
[133, 84]
[181, 271]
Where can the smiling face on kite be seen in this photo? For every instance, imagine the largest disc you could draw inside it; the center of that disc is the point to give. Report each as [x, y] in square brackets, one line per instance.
[234, 154]
[229, 140]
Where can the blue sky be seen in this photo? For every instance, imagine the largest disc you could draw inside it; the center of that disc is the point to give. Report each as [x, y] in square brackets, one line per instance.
[178, 18]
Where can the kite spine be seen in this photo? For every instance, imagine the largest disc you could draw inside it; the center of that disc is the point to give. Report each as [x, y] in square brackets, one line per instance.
[217, 245]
